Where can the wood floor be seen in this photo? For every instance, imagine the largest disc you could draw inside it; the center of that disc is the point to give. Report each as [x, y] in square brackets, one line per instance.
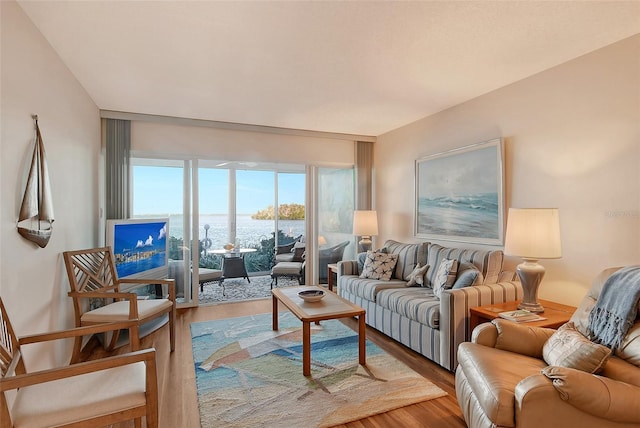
[176, 376]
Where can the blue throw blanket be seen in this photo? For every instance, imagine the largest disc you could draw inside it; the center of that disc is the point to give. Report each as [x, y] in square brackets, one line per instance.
[617, 307]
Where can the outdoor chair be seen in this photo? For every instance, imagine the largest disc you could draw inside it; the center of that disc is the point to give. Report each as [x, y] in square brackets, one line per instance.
[329, 255]
[284, 252]
[92, 275]
[89, 394]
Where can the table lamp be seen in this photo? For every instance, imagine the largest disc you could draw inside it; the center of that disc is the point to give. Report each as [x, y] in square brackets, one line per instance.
[365, 225]
[532, 234]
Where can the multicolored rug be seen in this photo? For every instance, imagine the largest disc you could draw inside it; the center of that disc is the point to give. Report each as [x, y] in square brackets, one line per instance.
[248, 375]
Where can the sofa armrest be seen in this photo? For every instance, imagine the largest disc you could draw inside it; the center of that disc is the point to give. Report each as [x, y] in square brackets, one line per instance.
[599, 396]
[454, 314]
[348, 267]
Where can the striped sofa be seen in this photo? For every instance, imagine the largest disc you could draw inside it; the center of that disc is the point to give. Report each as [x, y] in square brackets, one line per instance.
[414, 316]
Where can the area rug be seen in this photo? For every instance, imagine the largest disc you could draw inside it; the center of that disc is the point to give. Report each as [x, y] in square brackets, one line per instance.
[248, 375]
[238, 289]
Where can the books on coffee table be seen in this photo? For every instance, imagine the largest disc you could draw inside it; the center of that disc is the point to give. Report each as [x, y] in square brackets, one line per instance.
[520, 315]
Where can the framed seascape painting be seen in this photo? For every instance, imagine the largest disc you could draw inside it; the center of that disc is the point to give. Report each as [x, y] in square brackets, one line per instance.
[459, 194]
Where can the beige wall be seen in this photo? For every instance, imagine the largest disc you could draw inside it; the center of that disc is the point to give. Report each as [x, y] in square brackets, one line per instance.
[572, 141]
[33, 282]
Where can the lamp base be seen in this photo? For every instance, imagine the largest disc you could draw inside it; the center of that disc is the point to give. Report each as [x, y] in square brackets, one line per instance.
[530, 273]
[365, 244]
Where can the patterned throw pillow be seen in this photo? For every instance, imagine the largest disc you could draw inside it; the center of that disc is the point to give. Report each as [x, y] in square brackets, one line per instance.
[445, 276]
[363, 256]
[416, 277]
[567, 347]
[379, 265]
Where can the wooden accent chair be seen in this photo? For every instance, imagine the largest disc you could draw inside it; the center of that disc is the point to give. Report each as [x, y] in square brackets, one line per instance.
[89, 394]
[92, 275]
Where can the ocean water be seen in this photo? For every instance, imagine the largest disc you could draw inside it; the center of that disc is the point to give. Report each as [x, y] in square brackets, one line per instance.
[129, 268]
[249, 232]
[475, 215]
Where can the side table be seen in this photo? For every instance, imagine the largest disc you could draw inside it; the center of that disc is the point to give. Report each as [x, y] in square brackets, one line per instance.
[332, 269]
[556, 314]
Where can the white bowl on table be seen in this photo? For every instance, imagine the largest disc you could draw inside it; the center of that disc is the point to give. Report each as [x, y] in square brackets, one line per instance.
[311, 295]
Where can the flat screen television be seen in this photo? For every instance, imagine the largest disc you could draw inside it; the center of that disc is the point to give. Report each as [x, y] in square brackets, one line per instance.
[140, 247]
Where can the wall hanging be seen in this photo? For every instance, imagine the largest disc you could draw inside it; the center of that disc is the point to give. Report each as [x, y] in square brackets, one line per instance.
[459, 194]
[35, 222]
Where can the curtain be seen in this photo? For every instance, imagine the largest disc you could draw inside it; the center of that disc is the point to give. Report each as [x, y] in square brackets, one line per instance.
[364, 175]
[117, 186]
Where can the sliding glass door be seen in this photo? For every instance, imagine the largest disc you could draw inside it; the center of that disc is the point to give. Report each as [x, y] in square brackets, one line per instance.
[159, 189]
[248, 205]
[335, 205]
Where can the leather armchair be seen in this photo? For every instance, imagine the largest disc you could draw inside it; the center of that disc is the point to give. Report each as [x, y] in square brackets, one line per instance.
[502, 379]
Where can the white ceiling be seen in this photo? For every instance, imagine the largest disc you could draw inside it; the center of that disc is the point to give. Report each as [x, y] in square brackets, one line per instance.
[349, 67]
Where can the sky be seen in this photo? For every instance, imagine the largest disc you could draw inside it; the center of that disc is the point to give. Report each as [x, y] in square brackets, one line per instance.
[159, 190]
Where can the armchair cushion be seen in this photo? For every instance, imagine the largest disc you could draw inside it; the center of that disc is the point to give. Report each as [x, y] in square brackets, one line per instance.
[120, 310]
[567, 347]
[521, 339]
[599, 396]
[78, 398]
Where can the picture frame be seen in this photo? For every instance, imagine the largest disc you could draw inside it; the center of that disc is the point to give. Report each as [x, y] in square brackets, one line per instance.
[459, 194]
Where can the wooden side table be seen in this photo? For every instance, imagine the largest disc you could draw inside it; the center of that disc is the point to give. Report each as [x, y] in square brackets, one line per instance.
[332, 269]
[556, 314]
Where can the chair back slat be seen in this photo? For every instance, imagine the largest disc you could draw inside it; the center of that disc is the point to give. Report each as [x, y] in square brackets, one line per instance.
[93, 269]
[11, 362]
[9, 346]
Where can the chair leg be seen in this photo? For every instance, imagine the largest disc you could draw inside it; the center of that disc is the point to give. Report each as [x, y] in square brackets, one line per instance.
[172, 328]
[77, 347]
[134, 338]
[114, 340]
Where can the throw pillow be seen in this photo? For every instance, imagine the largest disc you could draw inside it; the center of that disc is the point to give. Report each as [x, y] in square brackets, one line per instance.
[298, 254]
[468, 275]
[567, 347]
[379, 265]
[416, 277]
[362, 257]
[445, 276]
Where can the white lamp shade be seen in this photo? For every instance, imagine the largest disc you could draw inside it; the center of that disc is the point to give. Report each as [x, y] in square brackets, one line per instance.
[533, 233]
[365, 223]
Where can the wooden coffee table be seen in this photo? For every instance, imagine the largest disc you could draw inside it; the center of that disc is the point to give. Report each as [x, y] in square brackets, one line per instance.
[330, 307]
[556, 314]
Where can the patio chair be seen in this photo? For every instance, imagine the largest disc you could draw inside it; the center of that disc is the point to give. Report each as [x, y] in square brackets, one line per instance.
[92, 275]
[89, 394]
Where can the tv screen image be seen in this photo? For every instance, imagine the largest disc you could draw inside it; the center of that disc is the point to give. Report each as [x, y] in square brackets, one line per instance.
[139, 246]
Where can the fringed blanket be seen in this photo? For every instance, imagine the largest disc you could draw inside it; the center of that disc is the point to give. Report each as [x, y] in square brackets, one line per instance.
[617, 307]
